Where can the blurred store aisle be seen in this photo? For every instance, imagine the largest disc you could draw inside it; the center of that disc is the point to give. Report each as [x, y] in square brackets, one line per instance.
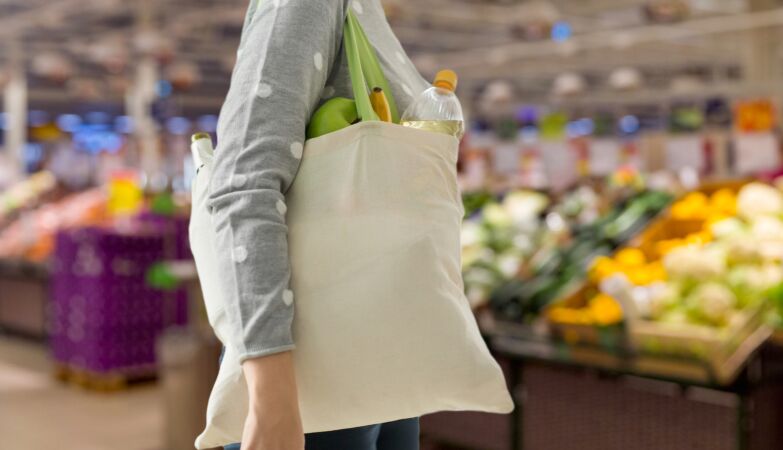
[40, 413]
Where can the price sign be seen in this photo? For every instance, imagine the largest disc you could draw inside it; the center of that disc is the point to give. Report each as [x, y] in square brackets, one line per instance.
[755, 152]
[505, 158]
[604, 156]
[685, 152]
[560, 162]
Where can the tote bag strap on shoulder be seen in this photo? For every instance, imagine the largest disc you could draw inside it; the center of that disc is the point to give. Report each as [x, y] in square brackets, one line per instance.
[365, 70]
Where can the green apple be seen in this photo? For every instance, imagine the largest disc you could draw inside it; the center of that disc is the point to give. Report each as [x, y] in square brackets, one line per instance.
[335, 114]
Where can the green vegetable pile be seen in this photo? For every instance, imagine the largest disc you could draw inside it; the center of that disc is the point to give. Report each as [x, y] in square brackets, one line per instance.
[523, 252]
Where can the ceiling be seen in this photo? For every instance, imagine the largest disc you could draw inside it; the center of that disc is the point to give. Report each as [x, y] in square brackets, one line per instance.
[733, 44]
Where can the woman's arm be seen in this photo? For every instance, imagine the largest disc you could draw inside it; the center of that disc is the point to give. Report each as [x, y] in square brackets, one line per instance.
[284, 60]
[273, 421]
[285, 56]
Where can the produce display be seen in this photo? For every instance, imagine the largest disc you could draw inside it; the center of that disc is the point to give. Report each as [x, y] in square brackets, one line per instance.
[554, 271]
[499, 238]
[707, 270]
[25, 193]
[31, 236]
[30, 233]
[524, 251]
[474, 201]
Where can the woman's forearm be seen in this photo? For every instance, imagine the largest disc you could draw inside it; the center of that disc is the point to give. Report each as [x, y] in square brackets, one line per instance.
[273, 421]
[270, 375]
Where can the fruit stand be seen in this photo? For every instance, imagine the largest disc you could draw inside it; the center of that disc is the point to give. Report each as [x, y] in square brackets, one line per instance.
[680, 316]
[541, 368]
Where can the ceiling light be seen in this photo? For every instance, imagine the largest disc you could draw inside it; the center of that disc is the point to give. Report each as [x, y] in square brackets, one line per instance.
[626, 79]
[53, 66]
[569, 83]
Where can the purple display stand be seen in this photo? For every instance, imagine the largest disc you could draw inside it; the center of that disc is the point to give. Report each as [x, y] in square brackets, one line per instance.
[104, 318]
[177, 226]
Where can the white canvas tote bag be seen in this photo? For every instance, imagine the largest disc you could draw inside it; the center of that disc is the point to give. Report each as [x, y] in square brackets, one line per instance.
[382, 328]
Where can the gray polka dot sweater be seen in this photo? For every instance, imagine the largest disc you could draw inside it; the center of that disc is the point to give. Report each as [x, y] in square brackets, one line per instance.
[290, 60]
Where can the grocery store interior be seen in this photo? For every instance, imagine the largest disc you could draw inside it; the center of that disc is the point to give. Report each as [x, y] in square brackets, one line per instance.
[621, 172]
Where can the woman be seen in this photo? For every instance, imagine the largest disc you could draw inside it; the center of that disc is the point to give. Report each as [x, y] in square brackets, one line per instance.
[290, 59]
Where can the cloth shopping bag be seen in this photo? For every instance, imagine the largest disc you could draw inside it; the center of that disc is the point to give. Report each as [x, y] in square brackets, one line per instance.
[382, 328]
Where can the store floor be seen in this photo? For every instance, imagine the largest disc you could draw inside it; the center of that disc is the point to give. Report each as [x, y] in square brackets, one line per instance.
[38, 412]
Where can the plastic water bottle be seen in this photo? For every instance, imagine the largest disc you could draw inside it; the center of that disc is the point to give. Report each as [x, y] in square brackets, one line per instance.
[201, 146]
[437, 108]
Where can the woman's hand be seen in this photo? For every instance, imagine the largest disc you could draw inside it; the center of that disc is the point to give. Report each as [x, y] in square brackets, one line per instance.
[273, 421]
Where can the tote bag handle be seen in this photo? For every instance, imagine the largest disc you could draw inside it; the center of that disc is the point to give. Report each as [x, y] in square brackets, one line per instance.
[365, 70]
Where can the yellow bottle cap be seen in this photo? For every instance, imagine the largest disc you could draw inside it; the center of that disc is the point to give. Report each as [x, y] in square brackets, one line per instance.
[446, 79]
[200, 135]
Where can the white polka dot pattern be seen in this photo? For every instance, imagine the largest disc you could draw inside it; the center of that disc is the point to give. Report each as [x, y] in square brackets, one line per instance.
[357, 6]
[297, 149]
[240, 254]
[238, 180]
[288, 297]
[263, 90]
[318, 59]
[281, 207]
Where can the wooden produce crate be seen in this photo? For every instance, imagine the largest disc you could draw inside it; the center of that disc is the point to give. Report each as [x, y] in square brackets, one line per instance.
[735, 184]
[103, 381]
[777, 337]
[707, 344]
[666, 227]
[661, 229]
[723, 351]
[611, 338]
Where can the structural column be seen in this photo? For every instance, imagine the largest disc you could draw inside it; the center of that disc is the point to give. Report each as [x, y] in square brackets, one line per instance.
[15, 107]
[142, 94]
[762, 61]
[138, 103]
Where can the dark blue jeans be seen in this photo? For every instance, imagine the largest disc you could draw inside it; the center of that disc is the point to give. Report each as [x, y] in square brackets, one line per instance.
[397, 435]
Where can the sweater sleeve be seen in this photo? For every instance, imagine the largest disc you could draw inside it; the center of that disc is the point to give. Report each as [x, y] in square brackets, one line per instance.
[284, 58]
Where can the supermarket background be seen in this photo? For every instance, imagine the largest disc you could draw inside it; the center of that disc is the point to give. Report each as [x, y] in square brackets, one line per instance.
[623, 247]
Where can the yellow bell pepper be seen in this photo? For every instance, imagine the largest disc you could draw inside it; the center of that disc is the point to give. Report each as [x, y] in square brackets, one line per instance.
[630, 257]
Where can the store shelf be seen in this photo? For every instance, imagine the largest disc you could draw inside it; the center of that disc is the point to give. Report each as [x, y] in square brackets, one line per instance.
[524, 342]
[24, 298]
[777, 337]
[13, 268]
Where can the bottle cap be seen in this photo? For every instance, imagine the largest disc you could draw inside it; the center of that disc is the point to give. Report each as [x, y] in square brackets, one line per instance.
[446, 79]
[200, 135]
[201, 147]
